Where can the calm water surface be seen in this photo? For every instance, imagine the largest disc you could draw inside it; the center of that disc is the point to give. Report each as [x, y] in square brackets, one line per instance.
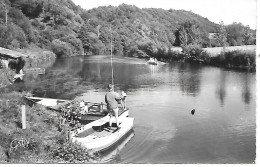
[161, 98]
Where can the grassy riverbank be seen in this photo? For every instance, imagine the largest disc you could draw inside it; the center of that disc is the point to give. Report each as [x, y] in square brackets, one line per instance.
[41, 142]
[244, 60]
[218, 50]
[232, 59]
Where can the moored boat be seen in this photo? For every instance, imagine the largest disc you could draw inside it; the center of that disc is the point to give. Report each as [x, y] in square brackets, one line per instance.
[97, 136]
[47, 102]
[95, 110]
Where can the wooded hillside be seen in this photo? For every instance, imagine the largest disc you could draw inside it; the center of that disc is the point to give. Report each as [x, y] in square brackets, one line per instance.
[67, 29]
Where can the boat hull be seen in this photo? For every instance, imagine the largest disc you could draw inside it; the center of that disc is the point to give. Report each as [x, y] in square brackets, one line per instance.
[152, 63]
[47, 102]
[96, 143]
[111, 153]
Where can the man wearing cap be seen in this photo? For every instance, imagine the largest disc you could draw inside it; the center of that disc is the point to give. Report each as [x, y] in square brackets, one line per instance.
[112, 98]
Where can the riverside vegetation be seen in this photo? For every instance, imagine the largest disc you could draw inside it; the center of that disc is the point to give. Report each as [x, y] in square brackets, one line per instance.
[45, 29]
[35, 144]
[237, 59]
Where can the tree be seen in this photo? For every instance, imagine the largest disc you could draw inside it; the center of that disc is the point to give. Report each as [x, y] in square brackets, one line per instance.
[221, 35]
[188, 34]
[61, 48]
[4, 9]
[247, 36]
[235, 33]
[183, 37]
[90, 41]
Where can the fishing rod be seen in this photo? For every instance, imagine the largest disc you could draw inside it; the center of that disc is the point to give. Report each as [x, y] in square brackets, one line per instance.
[112, 70]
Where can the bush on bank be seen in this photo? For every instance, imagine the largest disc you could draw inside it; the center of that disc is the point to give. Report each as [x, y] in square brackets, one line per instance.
[235, 59]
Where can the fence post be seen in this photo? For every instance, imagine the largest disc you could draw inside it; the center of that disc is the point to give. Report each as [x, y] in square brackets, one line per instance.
[23, 117]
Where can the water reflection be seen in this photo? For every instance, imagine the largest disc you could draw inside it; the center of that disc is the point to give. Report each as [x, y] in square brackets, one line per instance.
[61, 77]
[153, 68]
[112, 155]
[246, 91]
[189, 78]
[221, 87]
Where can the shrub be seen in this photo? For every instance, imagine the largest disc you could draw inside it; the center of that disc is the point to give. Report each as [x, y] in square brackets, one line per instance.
[78, 19]
[235, 59]
[193, 50]
[76, 44]
[10, 33]
[194, 53]
[61, 48]
[14, 44]
[72, 152]
[72, 114]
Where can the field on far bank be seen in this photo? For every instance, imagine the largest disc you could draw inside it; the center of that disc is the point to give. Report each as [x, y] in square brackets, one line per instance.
[217, 50]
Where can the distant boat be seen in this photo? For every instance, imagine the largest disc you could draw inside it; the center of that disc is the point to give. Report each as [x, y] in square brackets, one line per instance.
[97, 137]
[152, 61]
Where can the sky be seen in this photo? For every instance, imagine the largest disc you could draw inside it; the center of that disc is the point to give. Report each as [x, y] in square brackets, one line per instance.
[228, 11]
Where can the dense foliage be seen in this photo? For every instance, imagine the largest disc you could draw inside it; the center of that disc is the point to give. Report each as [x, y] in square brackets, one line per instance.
[47, 24]
[237, 59]
[71, 115]
[137, 32]
[67, 29]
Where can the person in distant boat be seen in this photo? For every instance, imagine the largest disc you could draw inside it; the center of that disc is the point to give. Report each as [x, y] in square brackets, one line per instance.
[123, 100]
[112, 98]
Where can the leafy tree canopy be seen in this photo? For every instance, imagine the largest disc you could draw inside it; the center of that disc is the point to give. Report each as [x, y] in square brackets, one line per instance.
[67, 29]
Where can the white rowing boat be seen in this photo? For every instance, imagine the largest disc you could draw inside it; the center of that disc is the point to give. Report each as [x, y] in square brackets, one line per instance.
[47, 102]
[94, 110]
[97, 136]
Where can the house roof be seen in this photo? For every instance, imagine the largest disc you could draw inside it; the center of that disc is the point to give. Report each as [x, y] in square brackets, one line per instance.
[11, 53]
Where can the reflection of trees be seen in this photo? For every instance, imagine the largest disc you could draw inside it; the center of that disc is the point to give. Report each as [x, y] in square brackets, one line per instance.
[99, 72]
[57, 80]
[153, 68]
[246, 92]
[190, 79]
[94, 72]
[221, 88]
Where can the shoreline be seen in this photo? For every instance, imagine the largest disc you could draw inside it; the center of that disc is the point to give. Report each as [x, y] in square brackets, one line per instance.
[234, 57]
[38, 59]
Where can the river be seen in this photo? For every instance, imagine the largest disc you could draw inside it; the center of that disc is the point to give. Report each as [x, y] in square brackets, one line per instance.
[160, 98]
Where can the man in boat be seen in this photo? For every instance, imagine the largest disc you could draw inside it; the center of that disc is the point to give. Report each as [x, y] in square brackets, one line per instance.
[112, 98]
